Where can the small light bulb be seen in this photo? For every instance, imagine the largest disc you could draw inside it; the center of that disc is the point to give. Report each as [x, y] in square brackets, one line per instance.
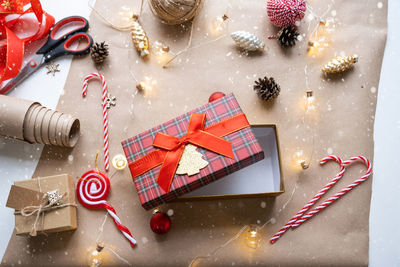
[218, 25]
[300, 160]
[310, 100]
[253, 238]
[119, 162]
[96, 258]
[126, 13]
[147, 85]
[161, 51]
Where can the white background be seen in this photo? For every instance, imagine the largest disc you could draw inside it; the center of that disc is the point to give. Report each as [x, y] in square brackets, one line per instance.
[18, 160]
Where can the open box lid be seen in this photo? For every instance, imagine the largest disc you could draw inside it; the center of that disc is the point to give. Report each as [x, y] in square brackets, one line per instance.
[263, 178]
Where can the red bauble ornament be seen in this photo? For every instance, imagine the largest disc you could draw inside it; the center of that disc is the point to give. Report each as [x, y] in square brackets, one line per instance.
[160, 222]
[214, 96]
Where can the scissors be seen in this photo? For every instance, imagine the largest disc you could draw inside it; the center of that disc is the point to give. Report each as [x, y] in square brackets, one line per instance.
[54, 48]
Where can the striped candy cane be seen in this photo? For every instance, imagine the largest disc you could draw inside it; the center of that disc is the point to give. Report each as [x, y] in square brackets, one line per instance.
[105, 113]
[335, 197]
[314, 199]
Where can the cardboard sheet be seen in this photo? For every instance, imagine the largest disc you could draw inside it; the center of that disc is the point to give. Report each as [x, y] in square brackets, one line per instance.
[343, 125]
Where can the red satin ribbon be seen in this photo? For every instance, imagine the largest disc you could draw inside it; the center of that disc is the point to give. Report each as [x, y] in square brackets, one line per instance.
[171, 148]
[12, 47]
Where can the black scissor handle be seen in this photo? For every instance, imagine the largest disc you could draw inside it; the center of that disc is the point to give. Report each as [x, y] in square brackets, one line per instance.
[52, 42]
[64, 47]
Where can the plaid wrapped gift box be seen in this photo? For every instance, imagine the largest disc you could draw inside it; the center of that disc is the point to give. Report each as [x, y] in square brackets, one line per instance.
[246, 150]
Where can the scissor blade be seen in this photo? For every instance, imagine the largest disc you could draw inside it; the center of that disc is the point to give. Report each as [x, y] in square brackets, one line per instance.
[30, 67]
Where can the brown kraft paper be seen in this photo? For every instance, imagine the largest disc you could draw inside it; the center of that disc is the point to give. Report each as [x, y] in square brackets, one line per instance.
[31, 122]
[343, 125]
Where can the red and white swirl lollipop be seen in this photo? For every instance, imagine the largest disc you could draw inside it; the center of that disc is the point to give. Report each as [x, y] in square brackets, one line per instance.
[92, 191]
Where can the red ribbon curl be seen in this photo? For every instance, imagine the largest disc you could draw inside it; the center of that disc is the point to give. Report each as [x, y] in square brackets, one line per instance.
[171, 148]
[11, 46]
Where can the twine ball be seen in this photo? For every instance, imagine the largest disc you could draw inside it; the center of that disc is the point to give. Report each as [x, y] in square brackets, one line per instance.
[284, 13]
[175, 11]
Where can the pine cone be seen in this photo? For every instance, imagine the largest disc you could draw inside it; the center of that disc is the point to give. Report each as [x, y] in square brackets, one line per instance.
[267, 88]
[99, 52]
[287, 36]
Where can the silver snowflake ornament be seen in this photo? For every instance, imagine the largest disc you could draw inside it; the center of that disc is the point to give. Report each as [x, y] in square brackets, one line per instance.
[52, 68]
[54, 197]
[110, 101]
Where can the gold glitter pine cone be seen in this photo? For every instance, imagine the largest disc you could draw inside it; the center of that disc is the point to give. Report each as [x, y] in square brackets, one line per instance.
[340, 64]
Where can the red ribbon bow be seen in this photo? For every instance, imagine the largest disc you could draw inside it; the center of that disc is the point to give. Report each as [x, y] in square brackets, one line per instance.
[175, 146]
[12, 47]
[171, 148]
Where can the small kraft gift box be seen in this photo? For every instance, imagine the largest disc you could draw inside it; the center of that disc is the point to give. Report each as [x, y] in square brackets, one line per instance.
[43, 205]
[191, 151]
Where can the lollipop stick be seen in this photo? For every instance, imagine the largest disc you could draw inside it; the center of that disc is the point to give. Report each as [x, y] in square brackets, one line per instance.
[125, 231]
[92, 191]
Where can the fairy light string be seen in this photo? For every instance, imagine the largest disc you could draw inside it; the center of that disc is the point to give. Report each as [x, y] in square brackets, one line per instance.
[317, 43]
[305, 160]
[256, 230]
[225, 30]
[111, 24]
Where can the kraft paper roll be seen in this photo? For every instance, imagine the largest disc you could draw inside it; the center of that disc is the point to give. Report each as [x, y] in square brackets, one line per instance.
[31, 122]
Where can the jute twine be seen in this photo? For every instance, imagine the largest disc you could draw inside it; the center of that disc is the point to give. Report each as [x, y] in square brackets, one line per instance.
[175, 11]
[42, 208]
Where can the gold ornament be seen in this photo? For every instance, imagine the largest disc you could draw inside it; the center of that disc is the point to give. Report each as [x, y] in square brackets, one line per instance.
[139, 37]
[247, 41]
[340, 64]
[191, 161]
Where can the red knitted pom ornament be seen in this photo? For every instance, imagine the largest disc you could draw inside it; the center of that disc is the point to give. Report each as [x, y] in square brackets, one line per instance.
[284, 13]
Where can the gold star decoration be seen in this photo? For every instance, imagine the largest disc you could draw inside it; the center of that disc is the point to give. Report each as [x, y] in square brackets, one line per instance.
[7, 4]
[52, 68]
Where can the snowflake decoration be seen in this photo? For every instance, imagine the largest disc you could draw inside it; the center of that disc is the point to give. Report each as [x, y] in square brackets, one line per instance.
[52, 68]
[110, 101]
[54, 197]
[7, 4]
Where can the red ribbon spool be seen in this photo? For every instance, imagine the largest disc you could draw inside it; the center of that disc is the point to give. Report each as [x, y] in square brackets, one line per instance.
[12, 48]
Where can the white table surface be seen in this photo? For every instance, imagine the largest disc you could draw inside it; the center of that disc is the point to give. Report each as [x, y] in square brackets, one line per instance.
[18, 160]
